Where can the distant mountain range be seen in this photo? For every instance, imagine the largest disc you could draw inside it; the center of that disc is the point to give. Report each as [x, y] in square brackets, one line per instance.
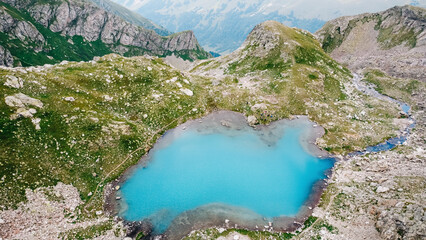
[37, 32]
[221, 26]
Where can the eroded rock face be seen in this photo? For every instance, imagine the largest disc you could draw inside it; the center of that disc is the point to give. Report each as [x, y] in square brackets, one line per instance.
[85, 19]
[22, 30]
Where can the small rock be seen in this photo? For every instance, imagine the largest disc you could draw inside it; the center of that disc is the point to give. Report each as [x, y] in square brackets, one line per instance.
[236, 237]
[69, 99]
[21, 100]
[187, 91]
[2, 221]
[226, 220]
[90, 194]
[145, 115]
[98, 213]
[96, 120]
[108, 98]
[36, 122]
[14, 82]
[382, 189]
[117, 187]
[22, 112]
[252, 120]
[149, 68]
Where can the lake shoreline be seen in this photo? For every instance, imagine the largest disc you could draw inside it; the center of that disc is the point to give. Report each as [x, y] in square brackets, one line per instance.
[220, 120]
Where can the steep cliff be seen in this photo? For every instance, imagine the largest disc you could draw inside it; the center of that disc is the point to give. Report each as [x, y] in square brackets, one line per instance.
[393, 40]
[38, 32]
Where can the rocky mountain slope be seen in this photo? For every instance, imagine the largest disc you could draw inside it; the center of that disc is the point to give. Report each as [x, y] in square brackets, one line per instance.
[131, 17]
[69, 129]
[39, 32]
[393, 40]
[221, 26]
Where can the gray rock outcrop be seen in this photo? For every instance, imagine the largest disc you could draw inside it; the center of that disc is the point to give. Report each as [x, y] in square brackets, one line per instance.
[26, 25]
[82, 18]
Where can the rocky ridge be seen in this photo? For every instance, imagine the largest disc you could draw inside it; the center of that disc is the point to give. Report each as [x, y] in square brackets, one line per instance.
[393, 40]
[33, 21]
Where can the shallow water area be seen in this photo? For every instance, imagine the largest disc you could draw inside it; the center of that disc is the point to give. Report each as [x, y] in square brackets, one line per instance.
[217, 168]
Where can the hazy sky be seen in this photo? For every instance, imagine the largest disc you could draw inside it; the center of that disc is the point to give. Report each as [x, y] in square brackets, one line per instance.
[305, 9]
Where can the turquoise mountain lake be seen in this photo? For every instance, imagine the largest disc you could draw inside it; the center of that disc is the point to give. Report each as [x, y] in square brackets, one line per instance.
[221, 162]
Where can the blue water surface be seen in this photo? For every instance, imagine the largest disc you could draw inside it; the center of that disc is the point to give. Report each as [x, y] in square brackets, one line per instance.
[238, 169]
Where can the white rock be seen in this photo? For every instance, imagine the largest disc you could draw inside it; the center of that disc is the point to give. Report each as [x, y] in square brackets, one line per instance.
[1, 221]
[94, 119]
[98, 213]
[226, 220]
[186, 81]
[221, 230]
[22, 112]
[236, 237]
[157, 96]
[108, 98]
[381, 189]
[145, 115]
[21, 100]
[179, 85]
[36, 122]
[69, 99]
[149, 68]
[187, 91]
[252, 120]
[14, 82]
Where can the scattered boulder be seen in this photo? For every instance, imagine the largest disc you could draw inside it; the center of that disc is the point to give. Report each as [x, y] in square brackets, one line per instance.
[187, 91]
[14, 82]
[36, 122]
[108, 98]
[69, 99]
[382, 189]
[252, 120]
[21, 100]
